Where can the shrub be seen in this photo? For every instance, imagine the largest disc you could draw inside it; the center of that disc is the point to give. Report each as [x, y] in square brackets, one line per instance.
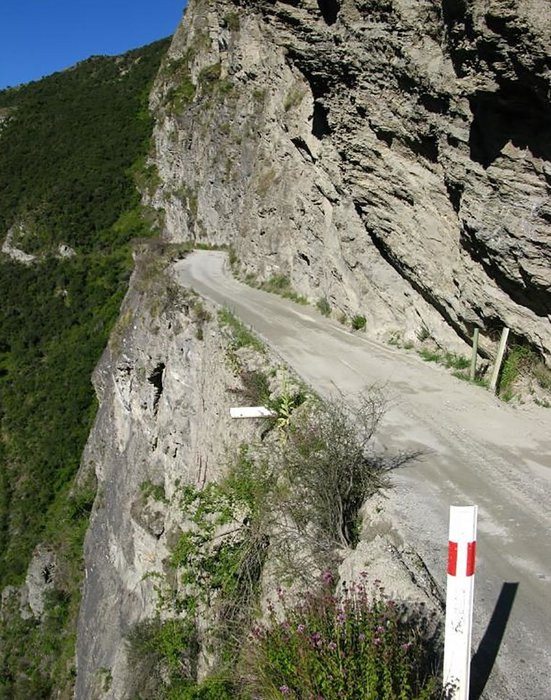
[161, 653]
[232, 21]
[358, 646]
[155, 491]
[423, 333]
[209, 76]
[182, 95]
[358, 322]
[324, 306]
[329, 459]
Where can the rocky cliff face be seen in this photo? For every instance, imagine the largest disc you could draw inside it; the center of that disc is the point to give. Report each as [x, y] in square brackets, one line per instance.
[389, 156]
[163, 423]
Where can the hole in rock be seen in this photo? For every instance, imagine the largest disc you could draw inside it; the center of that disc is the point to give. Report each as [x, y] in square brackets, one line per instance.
[156, 378]
[47, 573]
[453, 11]
[320, 124]
[455, 192]
[329, 10]
[304, 257]
[425, 146]
[512, 114]
[302, 146]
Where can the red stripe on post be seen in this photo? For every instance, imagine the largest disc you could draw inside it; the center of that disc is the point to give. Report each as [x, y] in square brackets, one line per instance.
[471, 555]
[452, 558]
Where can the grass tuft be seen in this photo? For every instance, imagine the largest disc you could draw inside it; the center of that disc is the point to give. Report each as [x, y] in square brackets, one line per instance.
[241, 335]
[323, 306]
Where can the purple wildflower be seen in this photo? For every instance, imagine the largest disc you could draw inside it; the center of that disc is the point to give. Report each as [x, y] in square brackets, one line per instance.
[316, 640]
[327, 577]
[405, 647]
[376, 641]
[332, 646]
[284, 689]
[256, 633]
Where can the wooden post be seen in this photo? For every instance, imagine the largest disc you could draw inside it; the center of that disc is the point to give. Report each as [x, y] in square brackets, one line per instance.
[499, 359]
[472, 373]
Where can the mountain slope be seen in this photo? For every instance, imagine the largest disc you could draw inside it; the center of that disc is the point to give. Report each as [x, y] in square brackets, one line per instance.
[70, 148]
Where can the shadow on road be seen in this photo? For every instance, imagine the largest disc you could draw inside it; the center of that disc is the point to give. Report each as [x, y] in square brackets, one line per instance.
[486, 654]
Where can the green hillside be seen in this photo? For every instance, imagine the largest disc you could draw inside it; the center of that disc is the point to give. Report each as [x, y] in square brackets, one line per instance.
[71, 146]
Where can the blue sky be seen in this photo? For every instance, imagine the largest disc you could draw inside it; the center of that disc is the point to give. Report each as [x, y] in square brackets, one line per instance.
[39, 37]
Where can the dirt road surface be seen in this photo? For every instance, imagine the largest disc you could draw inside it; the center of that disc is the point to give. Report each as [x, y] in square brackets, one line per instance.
[477, 450]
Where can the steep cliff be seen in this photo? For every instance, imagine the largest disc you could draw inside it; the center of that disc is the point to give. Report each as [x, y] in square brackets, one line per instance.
[163, 423]
[389, 156]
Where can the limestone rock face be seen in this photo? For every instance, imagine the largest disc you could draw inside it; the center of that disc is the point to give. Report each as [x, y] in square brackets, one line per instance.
[390, 156]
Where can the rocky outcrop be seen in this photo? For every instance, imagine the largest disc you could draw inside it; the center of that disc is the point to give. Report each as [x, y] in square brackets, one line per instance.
[11, 250]
[389, 156]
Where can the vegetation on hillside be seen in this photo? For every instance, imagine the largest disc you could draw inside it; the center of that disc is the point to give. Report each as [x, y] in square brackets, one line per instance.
[70, 153]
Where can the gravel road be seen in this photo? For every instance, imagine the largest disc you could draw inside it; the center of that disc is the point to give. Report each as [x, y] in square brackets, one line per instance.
[477, 450]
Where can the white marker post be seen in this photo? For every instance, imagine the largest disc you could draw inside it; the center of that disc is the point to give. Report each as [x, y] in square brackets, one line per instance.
[459, 601]
[252, 412]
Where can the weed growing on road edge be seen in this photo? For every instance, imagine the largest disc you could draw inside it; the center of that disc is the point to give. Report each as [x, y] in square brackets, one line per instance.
[450, 360]
[358, 322]
[281, 285]
[478, 380]
[241, 336]
[396, 339]
[323, 306]
[276, 284]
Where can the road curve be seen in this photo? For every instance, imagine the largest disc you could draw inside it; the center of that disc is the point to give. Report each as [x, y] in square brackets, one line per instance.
[477, 450]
